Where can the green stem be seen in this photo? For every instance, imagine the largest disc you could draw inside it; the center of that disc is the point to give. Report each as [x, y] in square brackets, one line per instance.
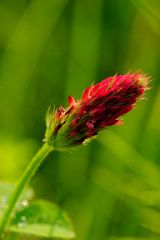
[28, 173]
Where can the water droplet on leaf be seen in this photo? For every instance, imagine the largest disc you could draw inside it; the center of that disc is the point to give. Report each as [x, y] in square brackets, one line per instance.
[23, 222]
[24, 203]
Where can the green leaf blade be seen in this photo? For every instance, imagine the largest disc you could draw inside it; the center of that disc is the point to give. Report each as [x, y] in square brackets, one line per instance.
[43, 219]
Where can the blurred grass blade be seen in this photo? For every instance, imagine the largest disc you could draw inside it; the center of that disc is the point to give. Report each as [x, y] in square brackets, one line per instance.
[130, 157]
[43, 219]
[150, 219]
[130, 238]
[130, 185]
[23, 50]
[150, 13]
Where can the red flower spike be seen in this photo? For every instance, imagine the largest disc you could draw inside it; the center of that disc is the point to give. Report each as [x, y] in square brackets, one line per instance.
[101, 106]
[71, 101]
[59, 113]
[86, 94]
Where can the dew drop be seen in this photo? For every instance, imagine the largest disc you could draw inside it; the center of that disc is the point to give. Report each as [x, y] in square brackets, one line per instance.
[24, 203]
[23, 222]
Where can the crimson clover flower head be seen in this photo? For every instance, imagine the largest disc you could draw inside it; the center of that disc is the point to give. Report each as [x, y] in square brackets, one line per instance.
[100, 106]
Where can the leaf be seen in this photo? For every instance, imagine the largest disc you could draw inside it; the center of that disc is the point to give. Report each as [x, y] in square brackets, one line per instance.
[5, 192]
[43, 219]
[128, 238]
[17, 236]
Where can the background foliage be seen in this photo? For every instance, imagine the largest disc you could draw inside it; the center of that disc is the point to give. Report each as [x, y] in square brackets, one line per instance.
[53, 48]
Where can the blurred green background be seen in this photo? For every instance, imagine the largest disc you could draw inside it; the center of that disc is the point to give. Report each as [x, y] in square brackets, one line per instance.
[50, 49]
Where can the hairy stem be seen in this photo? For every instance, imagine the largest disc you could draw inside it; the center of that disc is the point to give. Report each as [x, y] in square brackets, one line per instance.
[28, 173]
